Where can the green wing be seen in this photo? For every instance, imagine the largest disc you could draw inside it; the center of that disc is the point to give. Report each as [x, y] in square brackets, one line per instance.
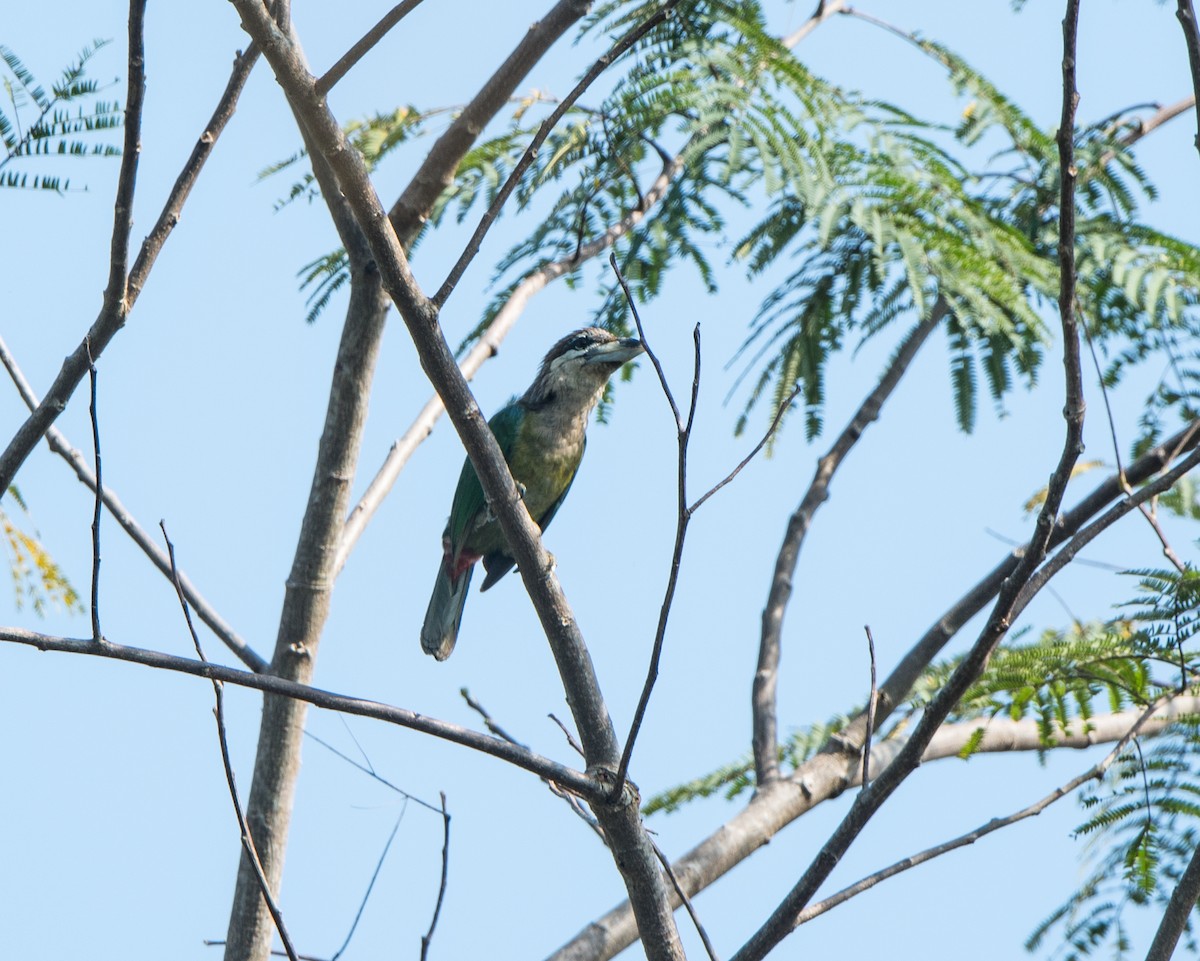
[469, 501]
[498, 563]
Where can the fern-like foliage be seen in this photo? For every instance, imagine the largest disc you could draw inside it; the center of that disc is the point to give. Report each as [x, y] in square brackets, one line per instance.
[36, 124]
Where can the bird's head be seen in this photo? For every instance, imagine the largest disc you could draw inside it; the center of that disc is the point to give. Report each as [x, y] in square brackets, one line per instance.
[578, 366]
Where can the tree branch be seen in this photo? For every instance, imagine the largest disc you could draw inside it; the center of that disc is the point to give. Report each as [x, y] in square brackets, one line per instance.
[527, 158]
[514, 754]
[765, 737]
[61, 446]
[870, 799]
[436, 173]
[363, 46]
[1094, 773]
[838, 765]
[1191, 35]
[622, 824]
[116, 307]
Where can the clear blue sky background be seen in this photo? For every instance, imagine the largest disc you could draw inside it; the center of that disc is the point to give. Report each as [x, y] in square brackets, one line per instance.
[116, 835]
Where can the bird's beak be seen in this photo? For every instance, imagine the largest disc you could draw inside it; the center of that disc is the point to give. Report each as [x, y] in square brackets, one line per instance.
[615, 352]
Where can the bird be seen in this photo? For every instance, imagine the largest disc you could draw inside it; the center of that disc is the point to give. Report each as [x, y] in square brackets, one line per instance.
[542, 434]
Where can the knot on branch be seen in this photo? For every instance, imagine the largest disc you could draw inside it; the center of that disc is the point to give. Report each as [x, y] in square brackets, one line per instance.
[606, 777]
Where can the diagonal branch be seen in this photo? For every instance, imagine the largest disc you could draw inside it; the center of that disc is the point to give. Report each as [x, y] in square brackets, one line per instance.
[61, 446]
[408, 214]
[870, 800]
[514, 754]
[622, 823]
[363, 46]
[603, 63]
[763, 703]
[120, 298]
[1094, 773]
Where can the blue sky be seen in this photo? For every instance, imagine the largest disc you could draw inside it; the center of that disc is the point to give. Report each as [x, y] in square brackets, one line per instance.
[118, 839]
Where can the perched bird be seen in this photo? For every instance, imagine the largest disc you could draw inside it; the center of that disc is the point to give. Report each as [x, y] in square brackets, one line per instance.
[542, 434]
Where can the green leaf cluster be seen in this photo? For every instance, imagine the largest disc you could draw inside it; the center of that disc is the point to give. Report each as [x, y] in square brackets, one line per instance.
[37, 124]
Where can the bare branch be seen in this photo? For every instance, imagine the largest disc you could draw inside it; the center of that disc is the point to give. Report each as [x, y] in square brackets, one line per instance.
[427, 938]
[219, 713]
[527, 158]
[872, 798]
[682, 518]
[572, 780]
[686, 901]
[408, 214]
[765, 739]
[97, 634]
[871, 701]
[360, 49]
[825, 10]
[1094, 773]
[1191, 35]
[1179, 910]
[116, 307]
[61, 446]
[115, 293]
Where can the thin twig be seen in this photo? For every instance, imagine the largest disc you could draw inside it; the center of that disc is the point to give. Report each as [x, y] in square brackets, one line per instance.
[63, 447]
[427, 939]
[683, 517]
[360, 49]
[680, 427]
[527, 158]
[369, 771]
[871, 702]
[1093, 773]
[1191, 35]
[114, 311]
[687, 902]
[572, 801]
[362, 905]
[97, 635]
[575, 745]
[219, 713]
[771, 428]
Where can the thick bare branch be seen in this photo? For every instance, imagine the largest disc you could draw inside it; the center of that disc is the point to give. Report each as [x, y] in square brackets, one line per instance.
[622, 824]
[765, 738]
[436, 172]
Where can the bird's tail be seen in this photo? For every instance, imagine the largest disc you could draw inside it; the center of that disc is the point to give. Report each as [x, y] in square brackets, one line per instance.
[445, 611]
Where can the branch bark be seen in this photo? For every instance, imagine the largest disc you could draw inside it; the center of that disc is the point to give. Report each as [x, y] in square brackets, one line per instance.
[515, 754]
[120, 298]
[1191, 35]
[621, 821]
[765, 737]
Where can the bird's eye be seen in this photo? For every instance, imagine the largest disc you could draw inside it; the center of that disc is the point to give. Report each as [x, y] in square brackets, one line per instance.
[579, 343]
